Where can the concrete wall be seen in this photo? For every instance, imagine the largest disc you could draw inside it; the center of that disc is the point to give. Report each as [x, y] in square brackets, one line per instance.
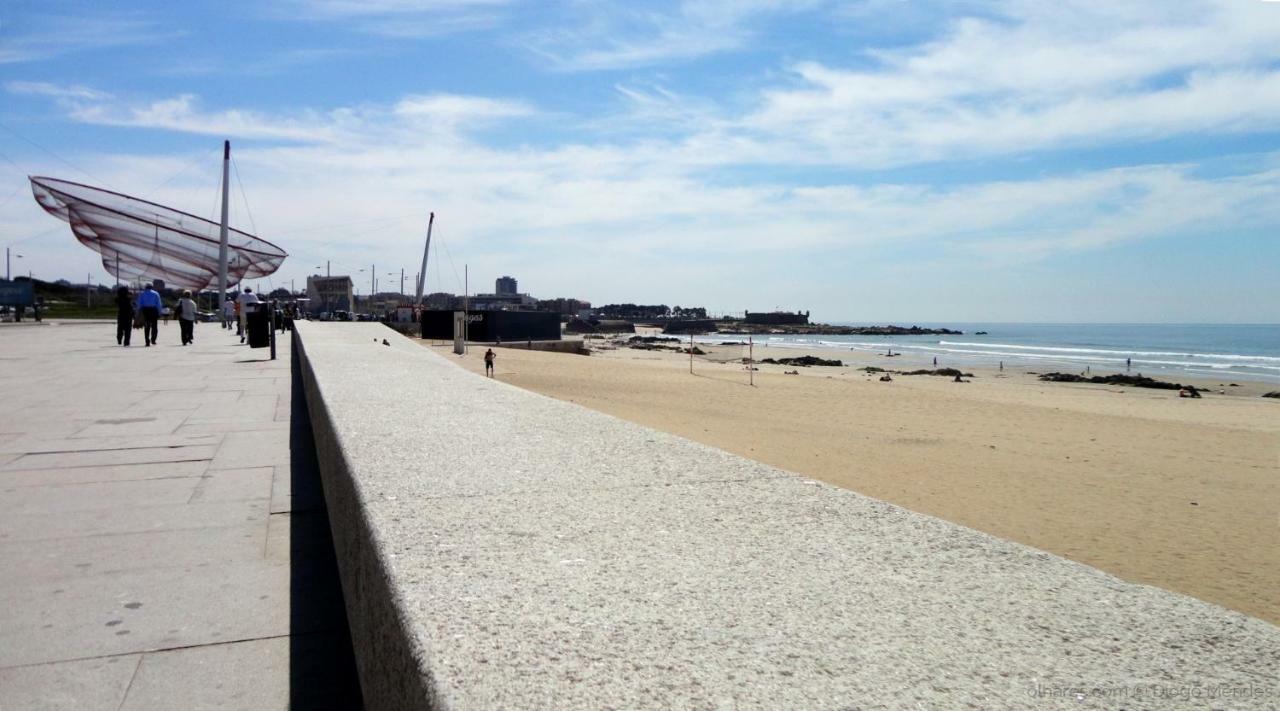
[500, 549]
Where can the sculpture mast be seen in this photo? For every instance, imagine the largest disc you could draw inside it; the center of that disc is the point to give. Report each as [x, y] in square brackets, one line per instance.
[222, 233]
[426, 251]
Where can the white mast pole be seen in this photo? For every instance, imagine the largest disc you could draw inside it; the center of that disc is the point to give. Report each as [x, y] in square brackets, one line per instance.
[426, 251]
[222, 233]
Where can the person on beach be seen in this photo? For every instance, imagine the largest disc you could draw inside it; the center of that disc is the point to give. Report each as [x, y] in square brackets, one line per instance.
[149, 305]
[228, 312]
[247, 301]
[489, 355]
[186, 312]
[124, 316]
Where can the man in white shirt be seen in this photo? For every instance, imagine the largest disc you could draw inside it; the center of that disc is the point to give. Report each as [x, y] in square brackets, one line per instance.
[248, 302]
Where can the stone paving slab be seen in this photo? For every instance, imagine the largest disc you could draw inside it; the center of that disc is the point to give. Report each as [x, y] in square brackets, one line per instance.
[240, 676]
[78, 557]
[68, 686]
[104, 614]
[134, 519]
[43, 444]
[77, 475]
[54, 500]
[504, 550]
[109, 457]
[140, 567]
[235, 484]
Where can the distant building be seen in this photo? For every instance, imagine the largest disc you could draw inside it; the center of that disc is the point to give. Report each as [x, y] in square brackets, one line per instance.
[442, 300]
[506, 286]
[778, 318]
[563, 306]
[502, 302]
[331, 293]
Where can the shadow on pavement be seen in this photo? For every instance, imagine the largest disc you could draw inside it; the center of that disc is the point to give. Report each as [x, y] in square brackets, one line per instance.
[322, 671]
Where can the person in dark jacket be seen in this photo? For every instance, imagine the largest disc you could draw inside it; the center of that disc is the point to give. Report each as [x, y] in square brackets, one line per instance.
[124, 316]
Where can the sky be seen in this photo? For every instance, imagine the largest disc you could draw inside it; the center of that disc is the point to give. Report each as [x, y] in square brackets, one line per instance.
[922, 161]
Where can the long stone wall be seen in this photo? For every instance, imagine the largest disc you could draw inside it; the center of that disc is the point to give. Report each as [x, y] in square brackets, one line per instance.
[500, 549]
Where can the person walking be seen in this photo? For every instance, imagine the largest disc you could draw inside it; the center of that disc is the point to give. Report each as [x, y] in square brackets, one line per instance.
[247, 301]
[187, 318]
[149, 305]
[124, 316]
[228, 312]
[489, 355]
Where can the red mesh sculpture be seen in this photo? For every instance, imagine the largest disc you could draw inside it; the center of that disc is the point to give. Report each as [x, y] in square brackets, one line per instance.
[142, 241]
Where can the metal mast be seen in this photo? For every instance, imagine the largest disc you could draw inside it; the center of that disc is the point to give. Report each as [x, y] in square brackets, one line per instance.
[222, 233]
[426, 251]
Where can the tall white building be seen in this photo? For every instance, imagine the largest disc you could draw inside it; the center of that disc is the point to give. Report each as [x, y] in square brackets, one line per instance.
[331, 293]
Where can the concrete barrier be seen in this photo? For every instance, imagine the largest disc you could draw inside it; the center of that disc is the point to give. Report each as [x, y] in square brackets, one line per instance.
[500, 549]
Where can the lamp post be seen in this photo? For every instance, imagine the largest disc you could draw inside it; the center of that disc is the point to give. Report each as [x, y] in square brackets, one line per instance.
[8, 275]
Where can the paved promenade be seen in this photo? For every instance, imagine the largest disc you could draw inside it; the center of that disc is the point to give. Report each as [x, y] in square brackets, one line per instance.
[163, 538]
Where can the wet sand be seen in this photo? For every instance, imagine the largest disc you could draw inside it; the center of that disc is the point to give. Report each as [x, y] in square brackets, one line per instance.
[1178, 493]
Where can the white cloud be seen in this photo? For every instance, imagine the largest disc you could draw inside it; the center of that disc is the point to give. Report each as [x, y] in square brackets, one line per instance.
[433, 115]
[401, 19]
[46, 37]
[39, 88]
[454, 109]
[619, 35]
[1046, 76]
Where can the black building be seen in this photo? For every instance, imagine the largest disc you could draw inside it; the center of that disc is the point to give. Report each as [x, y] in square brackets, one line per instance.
[494, 325]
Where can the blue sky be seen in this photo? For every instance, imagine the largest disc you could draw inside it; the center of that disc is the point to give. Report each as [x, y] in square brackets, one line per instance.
[869, 160]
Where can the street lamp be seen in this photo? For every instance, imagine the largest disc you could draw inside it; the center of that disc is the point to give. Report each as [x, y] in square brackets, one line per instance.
[8, 275]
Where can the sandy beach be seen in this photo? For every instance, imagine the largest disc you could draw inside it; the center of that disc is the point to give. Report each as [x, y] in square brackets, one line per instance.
[1173, 492]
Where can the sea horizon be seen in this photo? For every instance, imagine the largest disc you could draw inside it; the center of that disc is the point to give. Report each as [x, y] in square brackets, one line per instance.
[1228, 351]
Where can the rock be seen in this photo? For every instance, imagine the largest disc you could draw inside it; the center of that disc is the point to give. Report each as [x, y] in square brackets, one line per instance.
[1137, 381]
[944, 372]
[805, 361]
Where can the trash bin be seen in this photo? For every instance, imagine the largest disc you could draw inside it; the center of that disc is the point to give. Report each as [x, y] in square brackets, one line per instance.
[258, 323]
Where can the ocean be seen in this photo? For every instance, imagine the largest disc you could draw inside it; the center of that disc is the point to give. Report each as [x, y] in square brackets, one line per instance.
[1227, 352]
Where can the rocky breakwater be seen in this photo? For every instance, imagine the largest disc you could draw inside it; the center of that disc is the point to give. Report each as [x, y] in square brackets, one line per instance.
[1136, 381]
[803, 361]
[822, 329]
